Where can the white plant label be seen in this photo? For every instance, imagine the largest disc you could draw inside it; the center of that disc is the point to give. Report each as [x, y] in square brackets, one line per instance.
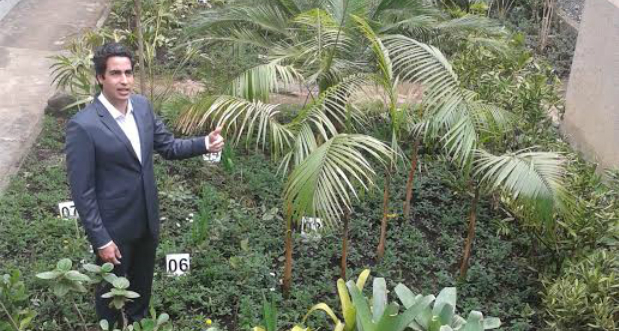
[67, 210]
[212, 157]
[310, 227]
[177, 264]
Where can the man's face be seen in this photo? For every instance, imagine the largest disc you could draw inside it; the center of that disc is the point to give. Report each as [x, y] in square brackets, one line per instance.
[117, 83]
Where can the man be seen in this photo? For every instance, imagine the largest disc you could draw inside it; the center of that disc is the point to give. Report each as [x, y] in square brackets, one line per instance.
[109, 148]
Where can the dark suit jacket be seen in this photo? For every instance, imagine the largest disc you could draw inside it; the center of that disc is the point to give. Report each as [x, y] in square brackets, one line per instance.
[115, 195]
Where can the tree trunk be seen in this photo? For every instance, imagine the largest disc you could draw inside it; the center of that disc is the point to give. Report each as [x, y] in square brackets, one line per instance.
[138, 20]
[549, 6]
[343, 262]
[287, 281]
[411, 179]
[471, 234]
[380, 251]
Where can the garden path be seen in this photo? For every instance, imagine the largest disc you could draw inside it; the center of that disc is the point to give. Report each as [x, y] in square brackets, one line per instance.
[31, 32]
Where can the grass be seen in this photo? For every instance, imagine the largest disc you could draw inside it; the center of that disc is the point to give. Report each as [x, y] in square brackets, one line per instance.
[223, 217]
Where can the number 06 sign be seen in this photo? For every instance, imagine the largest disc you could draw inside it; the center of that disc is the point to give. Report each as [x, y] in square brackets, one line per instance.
[177, 264]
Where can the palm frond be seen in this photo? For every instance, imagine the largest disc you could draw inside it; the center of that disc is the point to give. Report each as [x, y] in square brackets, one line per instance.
[266, 17]
[524, 174]
[444, 100]
[253, 120]
[381, 53]
[327, 180]
[258, 82]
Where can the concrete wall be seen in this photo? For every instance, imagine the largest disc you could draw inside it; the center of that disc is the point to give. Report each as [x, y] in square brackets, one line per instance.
[6, 6]
[591, 121]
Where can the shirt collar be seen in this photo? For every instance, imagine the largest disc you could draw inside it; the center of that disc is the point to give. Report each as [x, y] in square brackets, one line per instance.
[112, 110]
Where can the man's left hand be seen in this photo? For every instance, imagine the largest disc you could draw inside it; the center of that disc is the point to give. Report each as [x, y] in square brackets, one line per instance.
[215, 140]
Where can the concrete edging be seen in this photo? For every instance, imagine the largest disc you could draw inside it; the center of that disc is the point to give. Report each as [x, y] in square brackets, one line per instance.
[6, 6]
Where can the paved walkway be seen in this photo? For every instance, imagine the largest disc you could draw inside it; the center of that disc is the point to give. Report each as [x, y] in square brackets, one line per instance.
[31, 32]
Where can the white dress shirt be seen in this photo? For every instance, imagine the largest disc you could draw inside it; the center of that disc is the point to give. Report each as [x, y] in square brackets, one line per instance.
[126, 122]
[128, 126]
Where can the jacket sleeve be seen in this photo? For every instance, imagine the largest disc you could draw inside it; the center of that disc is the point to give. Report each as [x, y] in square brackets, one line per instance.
[171, 148]
[81, 170]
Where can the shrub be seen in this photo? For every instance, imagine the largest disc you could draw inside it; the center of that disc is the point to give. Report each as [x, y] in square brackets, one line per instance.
[586, 295]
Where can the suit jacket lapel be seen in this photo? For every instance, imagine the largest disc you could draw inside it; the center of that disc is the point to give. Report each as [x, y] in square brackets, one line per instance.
[111, 124]
[139, 121]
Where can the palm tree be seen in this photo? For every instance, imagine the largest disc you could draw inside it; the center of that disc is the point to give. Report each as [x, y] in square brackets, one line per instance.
[326, 169]
[318, 37]
[532, 178]
[311, 43]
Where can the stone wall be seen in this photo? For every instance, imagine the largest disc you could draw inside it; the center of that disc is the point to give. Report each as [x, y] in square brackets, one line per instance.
[591, 121]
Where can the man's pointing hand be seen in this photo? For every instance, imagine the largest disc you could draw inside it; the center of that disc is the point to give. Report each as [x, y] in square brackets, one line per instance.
[215, 140]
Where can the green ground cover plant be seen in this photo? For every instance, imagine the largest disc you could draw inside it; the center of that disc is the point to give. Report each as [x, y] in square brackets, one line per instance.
[241, 256]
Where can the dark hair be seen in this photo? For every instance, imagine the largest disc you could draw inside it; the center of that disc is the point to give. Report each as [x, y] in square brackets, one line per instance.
[102, 53]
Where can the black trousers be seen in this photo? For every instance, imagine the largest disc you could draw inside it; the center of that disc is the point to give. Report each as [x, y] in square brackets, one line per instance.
[137, 265]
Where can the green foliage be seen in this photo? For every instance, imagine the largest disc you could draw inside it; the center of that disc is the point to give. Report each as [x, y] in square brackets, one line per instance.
[242, 256]
[15, 311]
[152, 323]
[64, 280]
[119, 293]
[101, 273]
[349, 310]
[207, 212]
[74, 72]
[442, 316]
[269, 315]
[586, 294]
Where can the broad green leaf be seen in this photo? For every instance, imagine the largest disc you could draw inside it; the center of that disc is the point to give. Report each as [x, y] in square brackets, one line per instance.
[121, 283]
[76, 276]
[61, 289]
[474, 322]
[348, 310]
[64, 265]
[117, 303]
[78, 287]
[163, 318]
[379, 299]
[105, 325]
[409, 299]
[403, 320]
[107, 267]
[491, 323]
[92, 268]
[447, 296]
[363, 277]
[324, 307]
[110, 278]
[364, 315]
[48, 275]
[131, 295]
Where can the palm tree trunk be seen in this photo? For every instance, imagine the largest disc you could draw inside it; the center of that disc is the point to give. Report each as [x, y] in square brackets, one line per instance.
[380, 251]
[411, 179]
[343, 262]
[138, 21]
[287, 281]
[471, 233]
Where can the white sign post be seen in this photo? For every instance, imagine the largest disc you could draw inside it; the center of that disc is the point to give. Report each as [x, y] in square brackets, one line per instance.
[212, 157]
[177, 264]
[310, 228]
[67, 210]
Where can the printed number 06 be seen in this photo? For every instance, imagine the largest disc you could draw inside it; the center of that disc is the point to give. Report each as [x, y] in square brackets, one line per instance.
[182, 264]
